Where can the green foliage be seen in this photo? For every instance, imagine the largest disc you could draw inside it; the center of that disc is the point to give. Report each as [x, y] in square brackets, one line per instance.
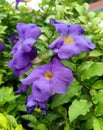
[98, 124]
[86, 68]
[8, 122]
[6, 95]
[77, 108]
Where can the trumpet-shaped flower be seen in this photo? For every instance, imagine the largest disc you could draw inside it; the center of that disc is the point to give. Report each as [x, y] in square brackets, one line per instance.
[50, 78]
[23, 50]
[71, 41]
[27, 36]
[21, 62]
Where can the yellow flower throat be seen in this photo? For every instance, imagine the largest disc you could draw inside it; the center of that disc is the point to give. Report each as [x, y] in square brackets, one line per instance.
[48, 75]
[68, 40]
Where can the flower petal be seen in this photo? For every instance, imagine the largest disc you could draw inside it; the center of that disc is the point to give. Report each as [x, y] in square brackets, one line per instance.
[32, 31]
[61, 79]
[18, 72]
[37, 73]
[84, 43]
[67, 51]
[43, 107]
[22, 60]
[67, 29]
[31, 104]
[21, 28]
[41, 90]
[56, 44]
[22, 89]
[28, 44]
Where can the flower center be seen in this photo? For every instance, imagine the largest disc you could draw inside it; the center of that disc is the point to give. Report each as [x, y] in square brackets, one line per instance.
[68, 40]
[48, 75]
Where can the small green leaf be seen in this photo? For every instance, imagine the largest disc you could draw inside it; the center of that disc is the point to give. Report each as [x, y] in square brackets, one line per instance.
[67, 126]
[98, 124]
[82, 9]
[19, 127]
[77, 108]
[31, 118]
[11, 120]
[98, 84]
[69, 64]
[3, 121]
[41, 127]
[99, 109]
[6, 95]
[2, 29]
[97, 96]
[52, 116]
[90, 69]
[89, 123]
[83, 19]
[95, 53]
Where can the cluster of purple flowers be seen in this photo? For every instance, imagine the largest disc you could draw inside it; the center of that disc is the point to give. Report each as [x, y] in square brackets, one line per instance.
[53, 77]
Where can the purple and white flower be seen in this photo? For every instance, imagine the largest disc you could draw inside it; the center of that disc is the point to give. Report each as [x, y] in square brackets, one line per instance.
[71, 41]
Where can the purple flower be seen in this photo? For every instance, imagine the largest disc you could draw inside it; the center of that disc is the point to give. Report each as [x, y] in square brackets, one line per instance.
[32, 103]
[27, 35]
[23, 50]
[50, 78]
[17, 2]
[22, 89]
[1, 47]
[21, 62]
[13, 38]
[71, 42]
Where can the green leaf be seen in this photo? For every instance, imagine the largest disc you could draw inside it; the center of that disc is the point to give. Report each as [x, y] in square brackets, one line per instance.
[6, 95]
[2, 29]
[52, 116]
[69, 64]
[98, 84]
[59, 11]
[99, 109]
[83, 19]
[89, 123]
[78, 107]
[3, 121]
[67, 126]
[73, 90]
[98, 124]
[97, 96]
[41, 127]
[30, 117]
[90, 69]
[82, 10]
[95, 53]
[19, 127]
